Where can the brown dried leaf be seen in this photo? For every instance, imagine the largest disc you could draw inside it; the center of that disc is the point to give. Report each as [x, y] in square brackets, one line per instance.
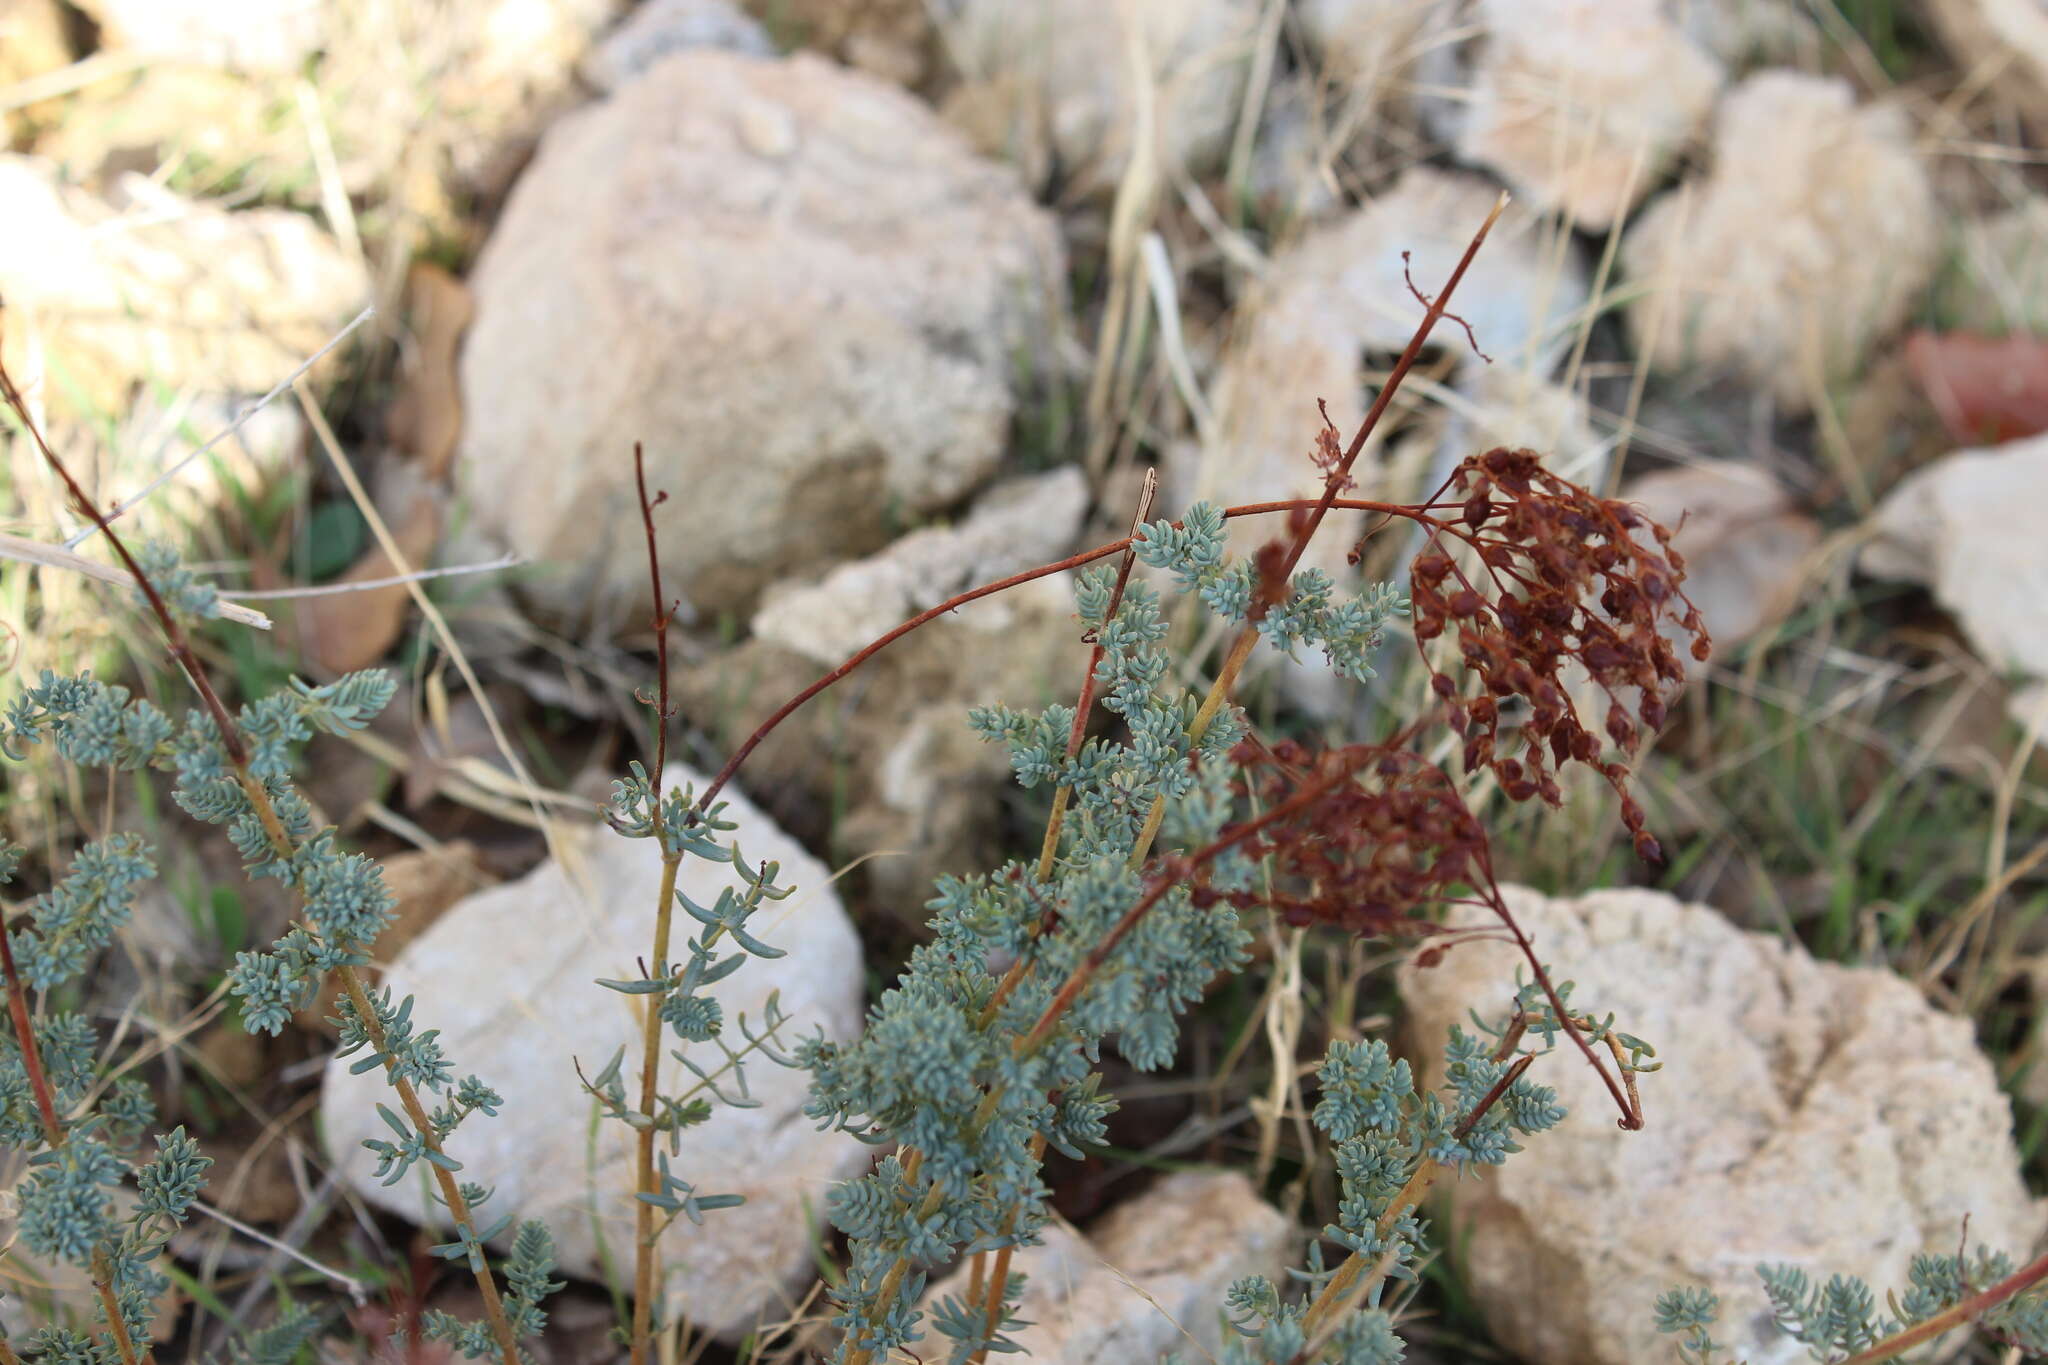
[426, 418]
[345, 631]
[1988, 390]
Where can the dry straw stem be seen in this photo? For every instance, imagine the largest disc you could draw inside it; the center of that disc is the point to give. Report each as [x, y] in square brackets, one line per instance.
[351, 981]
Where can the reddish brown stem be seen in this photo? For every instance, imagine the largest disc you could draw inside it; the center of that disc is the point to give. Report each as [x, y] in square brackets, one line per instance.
[662, 612]
[646, 1228]
[1978, 1304]
[31, 1051]
[1333, 485]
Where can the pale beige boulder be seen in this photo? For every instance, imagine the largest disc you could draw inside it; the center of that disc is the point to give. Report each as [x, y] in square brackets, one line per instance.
[1372, 46]
[1961, 527]
[152, 288]
[251, 35]
[803, 294]
[1012, 527]
[509, 977]
[1059, 85]
[1746, 543]
[1148, 1278]
[885, 766]
[1808, 241]
[1581, 104]
[1807, 1113]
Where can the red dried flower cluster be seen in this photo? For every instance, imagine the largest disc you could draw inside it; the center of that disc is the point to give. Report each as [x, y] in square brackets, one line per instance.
[1388, 834]
[1565, 579]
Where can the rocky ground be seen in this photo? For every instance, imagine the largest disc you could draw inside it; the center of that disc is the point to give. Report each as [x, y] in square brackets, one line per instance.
[903, 296]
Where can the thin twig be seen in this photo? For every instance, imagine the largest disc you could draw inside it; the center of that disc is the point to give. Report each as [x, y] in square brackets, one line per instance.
[509, 561]
[44, 555]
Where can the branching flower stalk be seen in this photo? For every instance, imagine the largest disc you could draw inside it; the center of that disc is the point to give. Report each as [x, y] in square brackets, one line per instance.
[235, 772]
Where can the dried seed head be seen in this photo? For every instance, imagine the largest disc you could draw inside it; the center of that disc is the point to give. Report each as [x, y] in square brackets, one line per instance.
[1566, 577]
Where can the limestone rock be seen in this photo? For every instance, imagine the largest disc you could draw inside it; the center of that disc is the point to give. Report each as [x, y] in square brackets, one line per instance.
[1014, 526]
[1743, 540]
[1809, 240]
[508, 977]
[1052, 88]
[788, 280]
[2006, 38]
[1580, 104]
[1148, 1277]
[661, 27]
[1807, 1113]
[1370, 45]
[884, 764]
[251, 35]
[158, 288]
[1952, 526]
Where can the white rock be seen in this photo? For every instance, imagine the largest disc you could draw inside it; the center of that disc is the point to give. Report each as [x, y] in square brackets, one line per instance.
[1952, 526]
[2005, 39]
[1013, 527]
[507, 976]
[1744, 543]
[1807, 1113]
[1148, 1277]
[788, 280]
[1370, 44]
[1809, 240]
[162, 289]
[1051, 83]
[1580, 104]
[1746, 33]
[886, 764]
[252, 35]
[661, 27]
